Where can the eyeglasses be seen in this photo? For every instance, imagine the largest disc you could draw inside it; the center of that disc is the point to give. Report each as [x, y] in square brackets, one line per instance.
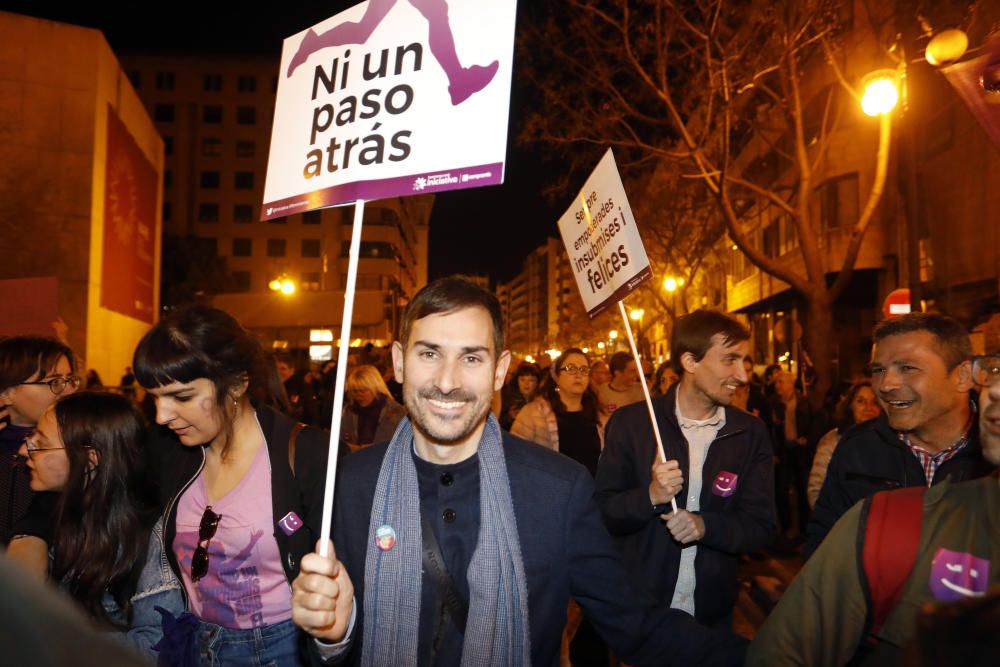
[31, 444]
[986, 370]
[576, 370]
[206, 531]
[58, 384]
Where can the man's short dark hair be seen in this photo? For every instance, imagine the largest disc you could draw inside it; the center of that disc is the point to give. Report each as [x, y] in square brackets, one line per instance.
[951, 336]
[618, 362]
[447, 295]
[694, 332]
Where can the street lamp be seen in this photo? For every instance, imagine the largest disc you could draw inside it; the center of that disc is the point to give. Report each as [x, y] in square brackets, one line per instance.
[881, 92]
[282, 284]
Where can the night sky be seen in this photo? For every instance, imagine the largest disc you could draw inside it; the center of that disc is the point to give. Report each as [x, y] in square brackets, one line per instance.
[508, 220]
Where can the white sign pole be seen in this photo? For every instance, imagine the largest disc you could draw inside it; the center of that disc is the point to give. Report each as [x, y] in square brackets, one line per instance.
[645, 390]
[338, 392]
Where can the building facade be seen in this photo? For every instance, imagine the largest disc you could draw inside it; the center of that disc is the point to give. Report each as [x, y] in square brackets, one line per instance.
[214, 113]
[80, 197]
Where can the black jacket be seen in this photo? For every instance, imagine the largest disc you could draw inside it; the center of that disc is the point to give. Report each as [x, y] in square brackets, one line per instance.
[742, 522]
[174, 466]
[566, 552]
[870, 457]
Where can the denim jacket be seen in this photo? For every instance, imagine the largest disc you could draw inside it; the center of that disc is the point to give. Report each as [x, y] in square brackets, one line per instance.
[157, 586]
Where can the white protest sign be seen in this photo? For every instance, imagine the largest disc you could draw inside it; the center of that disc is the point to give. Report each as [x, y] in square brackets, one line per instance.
[602, 240]
[390, 98]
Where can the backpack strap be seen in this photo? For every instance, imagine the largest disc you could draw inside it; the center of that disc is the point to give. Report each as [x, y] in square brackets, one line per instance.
[292, 437]
[891, 539]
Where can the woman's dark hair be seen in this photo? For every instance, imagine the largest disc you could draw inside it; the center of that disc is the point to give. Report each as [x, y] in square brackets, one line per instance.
[23, 356]
[103, 519]
[550, 389]
[202, 342]
[844, 413]
[528, 369]
[658, 377]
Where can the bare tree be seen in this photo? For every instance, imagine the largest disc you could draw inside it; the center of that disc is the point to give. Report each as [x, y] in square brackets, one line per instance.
[705, 85]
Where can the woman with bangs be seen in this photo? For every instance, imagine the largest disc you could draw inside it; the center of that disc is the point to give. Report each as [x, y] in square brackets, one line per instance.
[240, 484]
[105, 540]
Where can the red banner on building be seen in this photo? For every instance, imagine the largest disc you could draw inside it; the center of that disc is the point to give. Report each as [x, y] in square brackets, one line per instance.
[128, 267]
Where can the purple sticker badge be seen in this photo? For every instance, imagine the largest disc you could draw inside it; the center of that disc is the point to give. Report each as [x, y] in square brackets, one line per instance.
[290, 523]
[385, 537]
[957, 576]
[725, 484]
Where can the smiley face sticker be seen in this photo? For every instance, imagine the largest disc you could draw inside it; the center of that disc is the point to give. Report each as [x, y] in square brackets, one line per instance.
[958, 576]
[385, 537]
[725, 484]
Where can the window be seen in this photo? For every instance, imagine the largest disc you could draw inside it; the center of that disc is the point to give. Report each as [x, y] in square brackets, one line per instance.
[310, 281]
[242, 213]
[135, 78]
[282, 220]
[208, 212]
[371, 249]
[242, 247]
[310, 247]
[276, 247]
[163, 113]
[168, 179]
[210, 180]
[772, 240]
[838, 201]
[246, 83]
[246, 148]
[211, 113]
[164, 80]
[242, 281]
[211, 147]
[312, 217]
[167, 211]
[168, 145]
[246, 115]
[212, 82]
[244, 180]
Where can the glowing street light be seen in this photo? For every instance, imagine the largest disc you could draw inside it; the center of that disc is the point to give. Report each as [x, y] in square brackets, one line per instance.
[613, 334]
[282, 284]
[671, 284]
[600, 345]
[881, 94]
[636, 314]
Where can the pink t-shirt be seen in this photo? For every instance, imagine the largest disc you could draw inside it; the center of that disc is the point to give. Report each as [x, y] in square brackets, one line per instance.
[245, 586]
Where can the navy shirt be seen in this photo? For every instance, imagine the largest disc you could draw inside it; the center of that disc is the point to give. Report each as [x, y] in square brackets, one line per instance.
[449, 496]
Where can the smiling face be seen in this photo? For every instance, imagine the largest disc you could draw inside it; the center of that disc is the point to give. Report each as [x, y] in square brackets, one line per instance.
[957, 576]
[914, 385]
[28, 401]
[725, 484]
[719, 373]
[190, 410]
[864, 406]
[449, 372]
[49, 464]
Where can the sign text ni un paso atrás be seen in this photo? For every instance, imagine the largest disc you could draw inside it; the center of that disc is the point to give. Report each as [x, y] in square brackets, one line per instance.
[602, 240]
[391, 98]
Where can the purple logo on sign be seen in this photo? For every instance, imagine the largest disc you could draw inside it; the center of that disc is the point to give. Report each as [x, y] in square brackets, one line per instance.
[290, 523]
[725, 484]
[956, 575]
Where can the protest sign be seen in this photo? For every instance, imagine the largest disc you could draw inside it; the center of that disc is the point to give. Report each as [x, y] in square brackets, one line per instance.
[607, 256]
[390, 98]
[602, 240]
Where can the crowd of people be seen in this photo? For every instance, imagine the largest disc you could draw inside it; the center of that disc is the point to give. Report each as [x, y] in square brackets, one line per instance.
[489, 512]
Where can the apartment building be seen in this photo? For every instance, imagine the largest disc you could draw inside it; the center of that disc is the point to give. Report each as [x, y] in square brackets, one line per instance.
[214, 113]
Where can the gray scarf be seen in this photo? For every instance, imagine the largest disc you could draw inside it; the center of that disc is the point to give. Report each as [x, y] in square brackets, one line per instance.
[497, 630]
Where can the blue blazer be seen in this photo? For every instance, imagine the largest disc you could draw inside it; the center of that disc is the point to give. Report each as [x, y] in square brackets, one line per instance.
[566, 551]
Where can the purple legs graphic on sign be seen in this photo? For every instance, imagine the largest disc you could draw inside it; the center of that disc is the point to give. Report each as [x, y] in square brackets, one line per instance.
[725, 484]
[463, 82]
[956, 575]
